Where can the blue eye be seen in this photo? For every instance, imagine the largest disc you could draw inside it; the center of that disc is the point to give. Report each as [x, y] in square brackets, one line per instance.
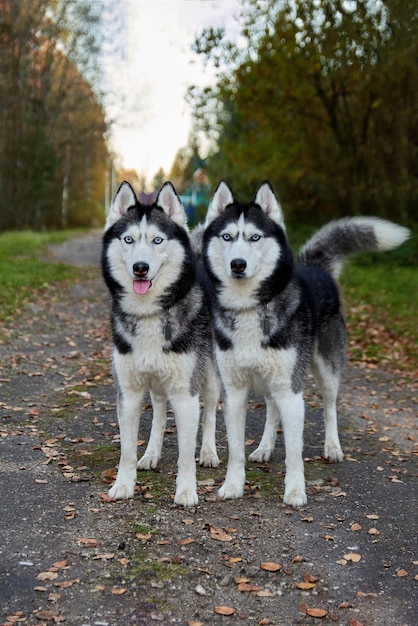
[128, 239]
[255, 238]
[158, 240]
[226, 237]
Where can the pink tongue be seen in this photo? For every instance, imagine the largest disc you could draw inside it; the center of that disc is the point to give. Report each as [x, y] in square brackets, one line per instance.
[141, 286]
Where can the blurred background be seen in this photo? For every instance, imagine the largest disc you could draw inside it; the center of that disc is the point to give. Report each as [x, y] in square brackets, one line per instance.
[318, 96]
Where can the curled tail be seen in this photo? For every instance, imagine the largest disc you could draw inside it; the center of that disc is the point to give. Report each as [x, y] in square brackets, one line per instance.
[336, 241]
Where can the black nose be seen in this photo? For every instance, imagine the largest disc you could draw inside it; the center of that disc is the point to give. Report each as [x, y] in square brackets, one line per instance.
[238, 266]
[140, 269]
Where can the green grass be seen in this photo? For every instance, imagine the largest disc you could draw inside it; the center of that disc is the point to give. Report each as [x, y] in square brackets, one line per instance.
[23, 275]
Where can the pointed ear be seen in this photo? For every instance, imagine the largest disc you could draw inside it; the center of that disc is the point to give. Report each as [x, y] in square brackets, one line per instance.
[269, 203]
[221, 198]
[124, 199]
[170, 203]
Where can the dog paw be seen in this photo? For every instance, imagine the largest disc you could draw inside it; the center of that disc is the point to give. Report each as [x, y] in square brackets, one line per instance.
[186, 497]
[295, 497]
[229, 491]
[333, 453]
[209, 458]
[121, 491]
[261, 455]
[148, 462]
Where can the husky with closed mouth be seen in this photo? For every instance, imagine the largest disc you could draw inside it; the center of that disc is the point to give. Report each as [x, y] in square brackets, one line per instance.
[162, 340]
[273, 317]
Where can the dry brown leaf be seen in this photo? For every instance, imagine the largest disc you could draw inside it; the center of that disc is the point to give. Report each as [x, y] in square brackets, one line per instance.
[185, 542]
[247, 587]
[47, 576]
[316, 612]
[373, 531]
[118, 591]
[263, 593]
[305, 585]
[372, 516]
[219, 534]
[269, 566]
[224, 610]
[89, 542]
[241, 579]
[356, 527]
[402, 573]
[143, 536]
[65, 584]
[352, 556]
[310, 578]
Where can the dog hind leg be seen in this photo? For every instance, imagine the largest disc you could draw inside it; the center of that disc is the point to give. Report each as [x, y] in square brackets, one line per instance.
[210, 393]
[265, 449]
[152, 454]
[328, 382]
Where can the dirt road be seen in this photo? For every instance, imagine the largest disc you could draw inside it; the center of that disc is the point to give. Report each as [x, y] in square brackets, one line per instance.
[68, 555]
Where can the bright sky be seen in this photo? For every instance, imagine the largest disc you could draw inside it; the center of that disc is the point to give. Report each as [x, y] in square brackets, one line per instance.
[152, 118]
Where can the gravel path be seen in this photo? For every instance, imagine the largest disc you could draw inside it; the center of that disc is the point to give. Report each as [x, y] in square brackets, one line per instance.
[68, 555]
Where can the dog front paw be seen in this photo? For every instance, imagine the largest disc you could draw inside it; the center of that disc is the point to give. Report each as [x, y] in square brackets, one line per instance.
[186, 497]
[333, 453]
[295, 497]
[121, 491]
[209, 458]
[229, 491]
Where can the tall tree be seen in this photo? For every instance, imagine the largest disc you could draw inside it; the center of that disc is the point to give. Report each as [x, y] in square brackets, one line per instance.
[320, 97]
[52, 126]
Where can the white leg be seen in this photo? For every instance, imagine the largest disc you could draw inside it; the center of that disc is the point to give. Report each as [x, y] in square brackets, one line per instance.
[210, 394]
[186, 410]
[152, 454]
[328, 382]
[265, 449]
[235, 409]
[292, 411]
[129, 413]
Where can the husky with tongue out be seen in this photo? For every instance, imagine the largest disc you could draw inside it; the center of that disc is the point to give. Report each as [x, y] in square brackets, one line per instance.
[162, 340]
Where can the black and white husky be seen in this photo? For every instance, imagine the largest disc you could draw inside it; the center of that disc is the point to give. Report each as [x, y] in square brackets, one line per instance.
[274, 317]
[162, 340]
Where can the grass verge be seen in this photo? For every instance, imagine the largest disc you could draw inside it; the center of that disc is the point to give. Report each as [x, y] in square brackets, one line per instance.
[23, 274]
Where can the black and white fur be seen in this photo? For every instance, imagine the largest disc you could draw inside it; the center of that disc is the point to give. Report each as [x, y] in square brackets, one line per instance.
[162, 341]
[274, 317]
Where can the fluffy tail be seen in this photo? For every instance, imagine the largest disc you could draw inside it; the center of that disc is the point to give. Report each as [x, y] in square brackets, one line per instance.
[335, 242]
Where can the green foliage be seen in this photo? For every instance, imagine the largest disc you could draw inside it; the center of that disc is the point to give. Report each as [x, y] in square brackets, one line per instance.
[320, 98]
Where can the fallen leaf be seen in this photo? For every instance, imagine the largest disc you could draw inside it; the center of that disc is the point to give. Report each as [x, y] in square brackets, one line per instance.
[402, 573]
[47, 576]
[269, 566]
[305, 585]
[352, 556]
[247, 587]
[373, 531]
[310, 578]
[263, 593]
[356, 527]
[219, 534]
[185, 542]
[373, 516]
[118, 591]
[316, 612]
[224, 610]
[65, 584]
[89, 542]
[143, 536]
